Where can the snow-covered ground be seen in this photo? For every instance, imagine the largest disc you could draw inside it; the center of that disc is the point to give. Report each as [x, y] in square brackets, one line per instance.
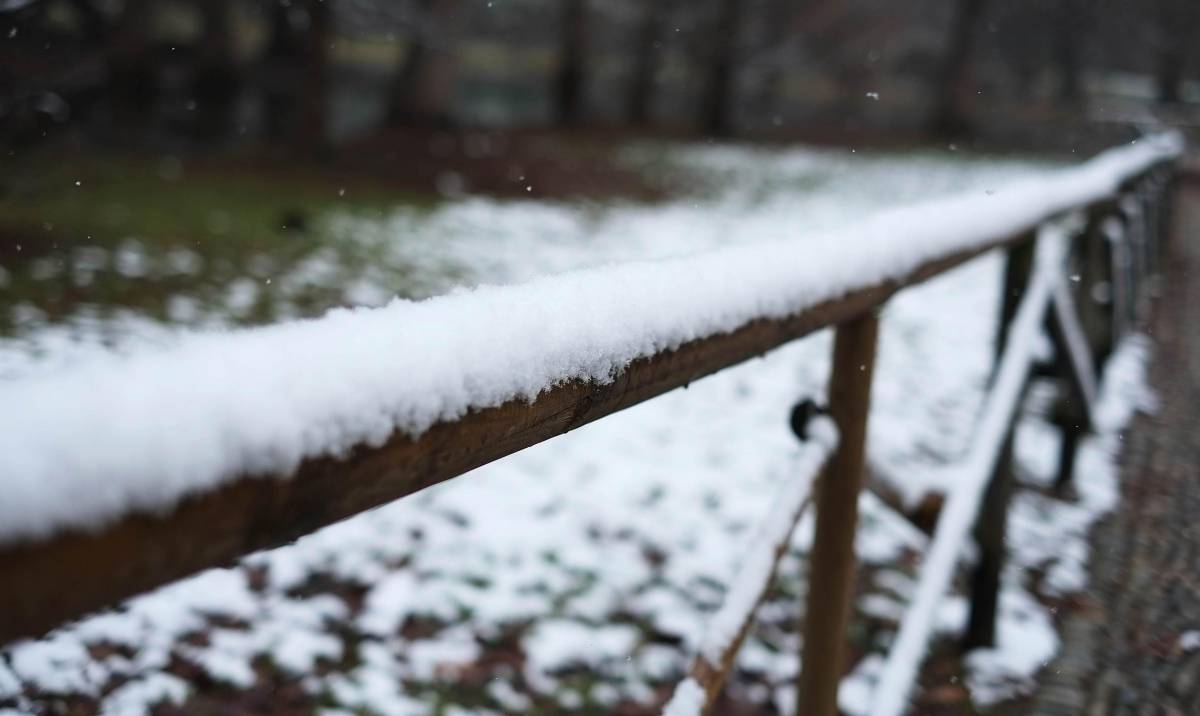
[744, 196]
[576, 575]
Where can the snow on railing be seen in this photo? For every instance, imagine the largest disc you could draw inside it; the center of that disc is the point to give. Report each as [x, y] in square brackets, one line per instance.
[129, 471]
[84, 446]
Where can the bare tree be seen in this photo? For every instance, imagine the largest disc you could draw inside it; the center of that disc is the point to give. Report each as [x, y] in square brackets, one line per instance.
[646, 58]
[312, 130]
[780, 29]
[215, 85]
[1175, 24]
[568, 83]
[722, 81]
[283, 53]
[951, 82]
[131, 82]
[423, 90]
[1070, 21]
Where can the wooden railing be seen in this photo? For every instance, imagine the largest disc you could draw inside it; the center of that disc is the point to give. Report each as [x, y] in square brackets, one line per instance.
[1113, 258]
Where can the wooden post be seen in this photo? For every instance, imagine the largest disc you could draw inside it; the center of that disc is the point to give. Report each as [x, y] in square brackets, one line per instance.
[1162, 214]
[992, 521]
[1072, 424]
[1170, 176]
[1017, 268]
[1114, 233]
[1072, 414]
[1094, 298]
[990, 528]
[1136, 230]
[831, 575]
[1072, 322]
[1152, 201]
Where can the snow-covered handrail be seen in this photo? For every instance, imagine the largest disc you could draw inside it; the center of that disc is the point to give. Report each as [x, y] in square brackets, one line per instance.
[128, 471]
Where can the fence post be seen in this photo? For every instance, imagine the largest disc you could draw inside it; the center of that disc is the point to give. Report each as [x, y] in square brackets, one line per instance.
[991, 523]
[1161, 197]
[1136, 230]
[1114, 233]
[1096, 289]
[1071, 323]
[831, 572]
[1071, 412]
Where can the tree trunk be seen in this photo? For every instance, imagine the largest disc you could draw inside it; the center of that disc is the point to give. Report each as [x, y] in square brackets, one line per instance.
[569, 82]
[423, 91]
[722, 83]
[1170, 74]
[645, 67]
[1176, 22]
[131, 82]
[1071, 24]
[312, 129]
[948, 117]
[1070, 86]
[280, 85]
[779, 31]
[401, 93]
[215, 85]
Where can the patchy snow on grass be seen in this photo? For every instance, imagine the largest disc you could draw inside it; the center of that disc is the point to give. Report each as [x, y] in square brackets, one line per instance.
[557, 643]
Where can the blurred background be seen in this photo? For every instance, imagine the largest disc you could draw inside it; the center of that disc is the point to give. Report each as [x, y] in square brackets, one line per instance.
[264, 116]
[315, 76]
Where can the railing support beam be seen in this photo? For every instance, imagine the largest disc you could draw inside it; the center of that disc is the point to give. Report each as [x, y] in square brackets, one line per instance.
[831, 576]
[992, 521]
[1095, 299]
[1075, 369]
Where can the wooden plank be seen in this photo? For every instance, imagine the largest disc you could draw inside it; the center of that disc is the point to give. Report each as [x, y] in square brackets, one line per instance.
[712, 676]
[832, 563]
[75, 573]
[1075, 367]
[1096, 287]
[1068, 335]
[717, 650]
[991, 523]
[1115, 232]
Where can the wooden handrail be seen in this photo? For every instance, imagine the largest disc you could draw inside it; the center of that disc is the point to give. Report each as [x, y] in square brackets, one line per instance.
[216, 528]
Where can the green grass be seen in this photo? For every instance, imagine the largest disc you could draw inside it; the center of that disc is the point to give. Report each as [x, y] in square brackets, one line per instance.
[71, 229]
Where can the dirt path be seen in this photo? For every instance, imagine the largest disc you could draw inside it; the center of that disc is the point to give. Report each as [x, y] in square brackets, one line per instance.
[1134, 648]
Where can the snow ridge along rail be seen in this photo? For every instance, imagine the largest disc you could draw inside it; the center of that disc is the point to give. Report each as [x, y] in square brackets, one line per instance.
[69, 564]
